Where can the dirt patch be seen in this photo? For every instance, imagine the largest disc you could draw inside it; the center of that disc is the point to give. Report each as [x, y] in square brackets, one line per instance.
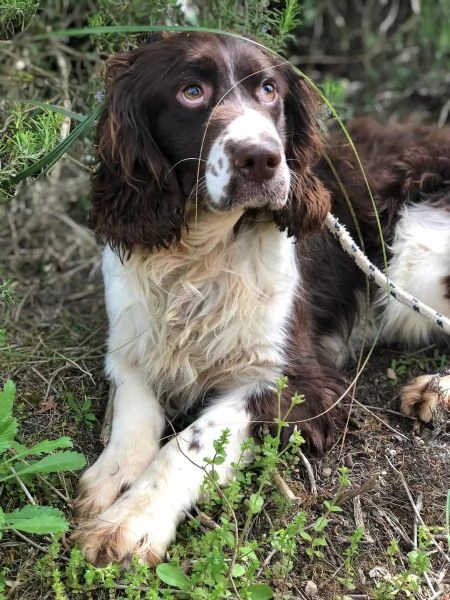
[55, 347]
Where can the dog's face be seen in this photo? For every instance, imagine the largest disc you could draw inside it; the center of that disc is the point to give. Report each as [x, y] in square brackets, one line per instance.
[208, 119]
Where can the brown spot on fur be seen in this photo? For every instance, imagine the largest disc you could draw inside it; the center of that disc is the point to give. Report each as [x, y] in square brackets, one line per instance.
[124, 488]
[446, 284]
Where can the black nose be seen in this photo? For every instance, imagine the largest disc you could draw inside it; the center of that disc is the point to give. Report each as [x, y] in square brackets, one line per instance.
[257, 161]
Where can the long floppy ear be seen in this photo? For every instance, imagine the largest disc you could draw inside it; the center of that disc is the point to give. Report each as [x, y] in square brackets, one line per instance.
[309, 201]
[135, 195]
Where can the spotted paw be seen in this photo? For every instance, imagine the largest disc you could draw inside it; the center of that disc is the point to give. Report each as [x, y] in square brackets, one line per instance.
[137, 524]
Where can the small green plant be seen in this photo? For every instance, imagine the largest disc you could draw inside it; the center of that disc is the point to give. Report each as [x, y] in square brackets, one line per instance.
[82, 413]
[7, 294]
[15, 15]
[419, 361]
[407, 581]
[18, 461]
[350, 554]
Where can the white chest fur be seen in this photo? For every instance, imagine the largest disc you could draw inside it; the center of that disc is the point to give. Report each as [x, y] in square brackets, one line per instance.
[210, 313]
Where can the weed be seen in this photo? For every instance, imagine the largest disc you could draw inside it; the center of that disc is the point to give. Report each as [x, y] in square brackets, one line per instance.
[417, 361]
[408, 580]
[18, 462]
[7, 297]
[15, 15]
[82, 413]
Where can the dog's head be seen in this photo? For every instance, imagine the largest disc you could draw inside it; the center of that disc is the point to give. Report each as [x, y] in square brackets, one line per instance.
[212, 119]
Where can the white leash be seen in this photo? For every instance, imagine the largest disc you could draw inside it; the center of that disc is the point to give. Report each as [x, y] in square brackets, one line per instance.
[350, 246]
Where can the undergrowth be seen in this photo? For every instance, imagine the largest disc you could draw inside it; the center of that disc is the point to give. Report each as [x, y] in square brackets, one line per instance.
[230, 547]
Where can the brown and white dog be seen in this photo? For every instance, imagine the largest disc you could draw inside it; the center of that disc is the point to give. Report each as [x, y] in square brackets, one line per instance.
[208, 193]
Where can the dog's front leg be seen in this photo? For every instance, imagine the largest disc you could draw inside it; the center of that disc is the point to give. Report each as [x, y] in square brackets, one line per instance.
[137, 426]
[143, 520]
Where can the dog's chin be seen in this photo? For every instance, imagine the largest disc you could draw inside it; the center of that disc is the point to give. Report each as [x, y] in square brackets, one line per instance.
[244, 198]
[243, 203]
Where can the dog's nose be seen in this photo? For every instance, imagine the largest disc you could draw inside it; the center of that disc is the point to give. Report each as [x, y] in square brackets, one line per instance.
[257, 161]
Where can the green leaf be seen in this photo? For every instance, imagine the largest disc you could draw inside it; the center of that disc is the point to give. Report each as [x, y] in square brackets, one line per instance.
[60, 461]
[259, 591]
[7, 400]
[305, 535]
[36, 519]
[331, 507]
[319, 542]
[50, 445]
[320, 524]
[256, 502]
[8, 430]
[173, 576]
[237, 571]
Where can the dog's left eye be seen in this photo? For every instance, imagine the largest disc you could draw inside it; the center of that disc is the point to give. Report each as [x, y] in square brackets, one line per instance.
[192, 95]
[267, 92]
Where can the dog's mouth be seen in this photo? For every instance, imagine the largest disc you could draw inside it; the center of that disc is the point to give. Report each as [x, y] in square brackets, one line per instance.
[246, 193]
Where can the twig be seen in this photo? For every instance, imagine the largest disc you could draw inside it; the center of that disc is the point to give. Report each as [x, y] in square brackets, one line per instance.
[283, 486]
[206, 520]
[367, 486]
[52, 487]
[359, 520]
[406, 539]
[416, 520]
[105, 433]
[380, 420]
[28, 541]
[24, 487]
[309, 470]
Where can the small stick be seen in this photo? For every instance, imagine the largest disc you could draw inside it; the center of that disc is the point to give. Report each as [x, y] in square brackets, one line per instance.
[416, 520]
[359, 520]
[309, 470]
[24, 487]
[105, 433]
[206, 520]
[283, 487]
[368, 486]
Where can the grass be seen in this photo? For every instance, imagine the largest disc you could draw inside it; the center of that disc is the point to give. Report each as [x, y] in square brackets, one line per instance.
[15, 15]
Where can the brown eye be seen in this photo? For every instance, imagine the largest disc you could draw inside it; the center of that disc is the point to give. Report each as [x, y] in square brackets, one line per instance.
[192, 94]
[267, 92]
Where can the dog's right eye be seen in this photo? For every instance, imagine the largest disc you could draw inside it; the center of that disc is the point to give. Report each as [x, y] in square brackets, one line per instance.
[192, 95]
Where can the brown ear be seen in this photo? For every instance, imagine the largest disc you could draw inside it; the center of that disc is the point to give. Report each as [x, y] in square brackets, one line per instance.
[135, 195]
[309, 201]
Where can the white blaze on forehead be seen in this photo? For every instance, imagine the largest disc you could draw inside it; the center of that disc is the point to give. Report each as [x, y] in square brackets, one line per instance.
[250, 126]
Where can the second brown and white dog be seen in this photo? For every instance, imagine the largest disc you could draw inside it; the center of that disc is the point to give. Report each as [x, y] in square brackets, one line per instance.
[210, 196]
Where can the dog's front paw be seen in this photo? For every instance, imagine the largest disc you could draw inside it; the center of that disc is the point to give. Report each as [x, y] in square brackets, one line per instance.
[135, 525]
[425, 396]
[110, 476]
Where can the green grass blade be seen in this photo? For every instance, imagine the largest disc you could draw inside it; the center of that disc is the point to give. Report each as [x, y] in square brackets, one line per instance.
[46, 162]
[84, 31]
[57, 109]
